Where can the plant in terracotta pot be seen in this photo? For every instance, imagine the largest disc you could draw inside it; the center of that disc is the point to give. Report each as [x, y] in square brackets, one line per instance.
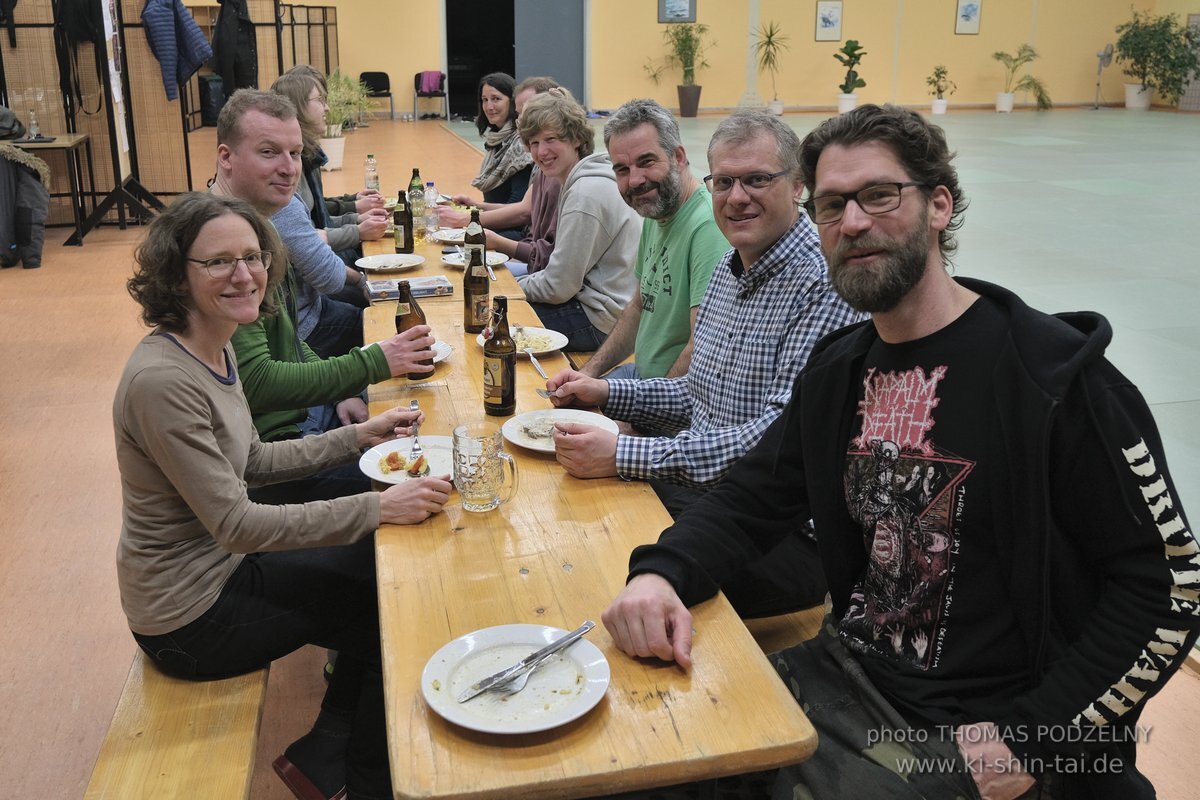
[1159, 53]
[686, 44]
[849, 56]
[1027, 83]
[770, 42]
[940, 85]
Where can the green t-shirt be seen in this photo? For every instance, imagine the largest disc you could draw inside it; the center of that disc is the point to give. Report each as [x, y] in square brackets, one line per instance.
[675, 261]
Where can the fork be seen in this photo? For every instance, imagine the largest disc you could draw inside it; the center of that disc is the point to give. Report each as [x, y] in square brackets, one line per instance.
[416, 451]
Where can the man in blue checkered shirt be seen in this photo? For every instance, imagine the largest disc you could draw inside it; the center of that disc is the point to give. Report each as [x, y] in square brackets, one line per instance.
[768, 303]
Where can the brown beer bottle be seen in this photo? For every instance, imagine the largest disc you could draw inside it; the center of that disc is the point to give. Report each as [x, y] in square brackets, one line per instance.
[403, 223]
[500, 364]
[474, 239]
[410, 315]
[475, 295]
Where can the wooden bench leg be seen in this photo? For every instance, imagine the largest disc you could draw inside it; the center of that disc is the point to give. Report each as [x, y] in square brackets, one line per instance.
[172, 738]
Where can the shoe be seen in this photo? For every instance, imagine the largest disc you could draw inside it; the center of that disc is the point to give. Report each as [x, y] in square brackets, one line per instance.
[299, 784]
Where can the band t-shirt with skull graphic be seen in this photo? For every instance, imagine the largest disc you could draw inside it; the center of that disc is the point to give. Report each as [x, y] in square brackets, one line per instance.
[930, 616]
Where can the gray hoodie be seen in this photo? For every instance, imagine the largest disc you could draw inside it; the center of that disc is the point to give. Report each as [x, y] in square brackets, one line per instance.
[595, 246]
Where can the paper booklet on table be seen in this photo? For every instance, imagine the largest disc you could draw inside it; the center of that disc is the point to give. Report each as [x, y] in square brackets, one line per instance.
[424, 286]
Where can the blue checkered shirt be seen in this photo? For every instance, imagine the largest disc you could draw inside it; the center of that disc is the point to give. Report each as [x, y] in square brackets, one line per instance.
[754, 331]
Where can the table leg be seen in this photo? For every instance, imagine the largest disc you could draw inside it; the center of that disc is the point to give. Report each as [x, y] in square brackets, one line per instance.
[75, 172]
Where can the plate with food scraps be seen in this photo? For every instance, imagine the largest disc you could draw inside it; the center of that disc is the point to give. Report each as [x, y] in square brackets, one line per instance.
[564, 688]
[388, 462]
[540, 340]
[534, 430]
[494, 259]
[389, 262]
[450, 235]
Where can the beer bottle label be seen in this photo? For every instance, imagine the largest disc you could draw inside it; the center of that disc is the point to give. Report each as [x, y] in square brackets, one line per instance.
[479, 271]
[493, 380]
[480, 311]
[402, 309]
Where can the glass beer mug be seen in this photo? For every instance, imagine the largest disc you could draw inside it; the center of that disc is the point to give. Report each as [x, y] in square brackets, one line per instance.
[479, 460]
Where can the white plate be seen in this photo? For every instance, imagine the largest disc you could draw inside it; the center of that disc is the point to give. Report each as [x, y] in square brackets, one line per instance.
[441, 351]
[458, 259]
[563, 689]
[389, 262]
[557, 340]
[439, 452]
[515, 429]
[451, 235]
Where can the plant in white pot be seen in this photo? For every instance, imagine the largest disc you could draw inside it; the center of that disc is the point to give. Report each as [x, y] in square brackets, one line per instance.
[686, 44]
[1160, 54]
[940, 85]
[849, 56]
[770, 42]
[1027, 83]
[345, 97]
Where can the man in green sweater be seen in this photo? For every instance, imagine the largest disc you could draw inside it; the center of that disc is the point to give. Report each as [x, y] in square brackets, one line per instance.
[291, 390]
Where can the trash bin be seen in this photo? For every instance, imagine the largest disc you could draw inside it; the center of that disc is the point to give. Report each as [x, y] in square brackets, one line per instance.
[212, 98]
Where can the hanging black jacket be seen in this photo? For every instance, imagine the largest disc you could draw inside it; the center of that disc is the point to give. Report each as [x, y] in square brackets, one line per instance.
[235, 47]
[1107, 612]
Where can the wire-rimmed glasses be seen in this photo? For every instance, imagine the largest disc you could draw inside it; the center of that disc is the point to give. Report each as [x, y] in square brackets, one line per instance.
[223, 266]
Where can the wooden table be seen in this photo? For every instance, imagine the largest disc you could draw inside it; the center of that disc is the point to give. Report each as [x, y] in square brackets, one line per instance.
[556, 555]
[70, 144]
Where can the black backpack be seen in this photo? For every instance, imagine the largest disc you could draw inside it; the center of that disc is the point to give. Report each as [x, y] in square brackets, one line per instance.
[6, 18]
[79, 21]
[10, 126]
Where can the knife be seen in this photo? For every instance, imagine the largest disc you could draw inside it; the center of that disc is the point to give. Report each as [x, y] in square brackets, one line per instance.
[529, 662]
[536, 365]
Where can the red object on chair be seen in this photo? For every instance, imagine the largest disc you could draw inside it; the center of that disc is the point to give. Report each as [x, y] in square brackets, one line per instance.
[430, 83]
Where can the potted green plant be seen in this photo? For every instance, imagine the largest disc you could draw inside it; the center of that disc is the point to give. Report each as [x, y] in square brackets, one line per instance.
[849, 56]
[686, 44]
[770, 42]
[1027, 83]
[1160, 54]
[346, 98]
[940, 85]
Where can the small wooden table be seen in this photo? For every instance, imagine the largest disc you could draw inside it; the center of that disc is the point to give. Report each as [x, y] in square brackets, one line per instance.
[555, 555]
[70, 143]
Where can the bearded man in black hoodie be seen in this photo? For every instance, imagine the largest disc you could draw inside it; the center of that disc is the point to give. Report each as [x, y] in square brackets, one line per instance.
[1011, 573]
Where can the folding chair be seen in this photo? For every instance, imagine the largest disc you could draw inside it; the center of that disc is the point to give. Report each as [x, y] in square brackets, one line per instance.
[379, 85]
[424, 87]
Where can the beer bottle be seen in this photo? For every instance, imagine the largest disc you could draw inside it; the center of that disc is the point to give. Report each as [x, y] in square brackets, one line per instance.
[475, 295]
[474, 239]
[416, 204]
[410, 315]
[500, 364]
[402, 222]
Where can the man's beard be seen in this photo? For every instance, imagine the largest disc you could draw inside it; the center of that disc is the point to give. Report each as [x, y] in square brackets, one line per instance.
[667, 202]
[879, 287]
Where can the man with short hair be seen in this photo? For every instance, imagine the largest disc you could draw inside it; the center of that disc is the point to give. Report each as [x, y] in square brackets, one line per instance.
[258, 160]
[679, 247]
[1011, 574]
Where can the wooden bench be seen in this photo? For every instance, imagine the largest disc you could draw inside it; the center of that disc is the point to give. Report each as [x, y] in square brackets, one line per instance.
[776, 633]
[176, 738]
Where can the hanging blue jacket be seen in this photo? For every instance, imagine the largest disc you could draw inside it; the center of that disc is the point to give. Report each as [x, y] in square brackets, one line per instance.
[176, 41]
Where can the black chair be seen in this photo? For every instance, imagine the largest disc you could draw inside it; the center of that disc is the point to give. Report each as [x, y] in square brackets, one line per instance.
[379, 85]
[440, 92]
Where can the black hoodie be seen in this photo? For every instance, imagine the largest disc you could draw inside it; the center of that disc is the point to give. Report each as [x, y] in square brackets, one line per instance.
[1096, 552]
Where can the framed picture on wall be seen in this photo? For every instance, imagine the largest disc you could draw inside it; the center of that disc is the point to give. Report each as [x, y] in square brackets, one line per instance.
[676, 10]
[966, 17]
[829, 21]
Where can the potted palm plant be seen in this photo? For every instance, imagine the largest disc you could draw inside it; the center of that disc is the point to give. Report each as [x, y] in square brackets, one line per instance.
[345, 97]
[686, 44]
[1027, 83]
[849, 56]
[940, 85]
[770, 42]
[1160, 54]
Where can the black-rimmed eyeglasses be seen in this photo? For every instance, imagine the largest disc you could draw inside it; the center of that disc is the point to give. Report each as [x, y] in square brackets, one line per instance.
[881, 198]
[223, 266]
[751, 181]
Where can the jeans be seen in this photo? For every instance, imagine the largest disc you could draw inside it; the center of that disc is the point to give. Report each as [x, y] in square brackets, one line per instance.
[571, 321]
[338, 329]
[274, 604]
[624, 371]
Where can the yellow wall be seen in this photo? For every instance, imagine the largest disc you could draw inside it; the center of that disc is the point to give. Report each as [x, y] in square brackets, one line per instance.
[904, 40]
